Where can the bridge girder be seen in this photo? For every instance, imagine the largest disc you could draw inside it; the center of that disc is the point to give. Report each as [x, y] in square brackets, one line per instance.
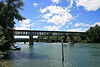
[47, 33]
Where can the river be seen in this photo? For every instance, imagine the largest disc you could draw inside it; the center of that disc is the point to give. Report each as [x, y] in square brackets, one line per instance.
[50, 55]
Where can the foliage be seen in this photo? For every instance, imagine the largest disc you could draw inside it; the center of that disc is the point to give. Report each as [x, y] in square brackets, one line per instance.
[55, 38]
[9, 10]
[94, 34]
[2, 38]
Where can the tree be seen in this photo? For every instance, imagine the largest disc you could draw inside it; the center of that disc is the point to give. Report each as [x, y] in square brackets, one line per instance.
[9, 10]
[94, 34]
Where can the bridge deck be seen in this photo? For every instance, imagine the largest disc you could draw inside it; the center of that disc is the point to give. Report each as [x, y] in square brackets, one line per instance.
[47, 33]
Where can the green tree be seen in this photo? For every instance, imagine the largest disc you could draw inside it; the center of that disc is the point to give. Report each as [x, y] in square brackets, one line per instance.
[9, 10]
[94, 34]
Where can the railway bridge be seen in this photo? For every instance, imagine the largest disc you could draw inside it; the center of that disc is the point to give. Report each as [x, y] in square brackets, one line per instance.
[32, 33]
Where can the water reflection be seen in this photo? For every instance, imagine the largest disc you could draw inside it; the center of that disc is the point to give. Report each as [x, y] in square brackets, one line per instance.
[49, 55]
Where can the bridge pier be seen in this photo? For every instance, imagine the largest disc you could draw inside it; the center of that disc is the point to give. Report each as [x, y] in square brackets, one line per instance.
[65, 38]
[31, 39]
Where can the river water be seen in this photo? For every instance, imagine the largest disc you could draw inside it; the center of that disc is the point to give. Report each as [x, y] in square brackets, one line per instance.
[50, 55]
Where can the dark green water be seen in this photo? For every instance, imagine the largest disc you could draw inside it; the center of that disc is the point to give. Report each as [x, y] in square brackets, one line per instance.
[49, 55]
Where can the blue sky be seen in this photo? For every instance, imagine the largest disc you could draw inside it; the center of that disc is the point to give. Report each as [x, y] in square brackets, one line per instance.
[59, 15]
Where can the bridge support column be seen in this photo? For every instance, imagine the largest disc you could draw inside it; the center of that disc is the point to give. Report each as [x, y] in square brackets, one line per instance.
[65, 39]
[31, 39]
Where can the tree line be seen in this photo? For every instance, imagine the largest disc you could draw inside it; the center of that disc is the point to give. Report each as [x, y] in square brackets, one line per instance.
[93, 36]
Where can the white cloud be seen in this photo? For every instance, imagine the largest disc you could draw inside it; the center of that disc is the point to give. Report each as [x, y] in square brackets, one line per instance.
[82, 29]
[70, 23]
[24, 24]
[26, 21]
[77, 30]
[56, 15]
[89, 5]
[47, 16]
[55, 28]
[55, 1]
[97, 23]
[43, 10]
[71, 3]
[35, 4]
[21, 28]
[58, 20]
[82, 24]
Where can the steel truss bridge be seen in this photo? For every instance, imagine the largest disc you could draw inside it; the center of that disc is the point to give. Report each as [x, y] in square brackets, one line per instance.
[32, 33]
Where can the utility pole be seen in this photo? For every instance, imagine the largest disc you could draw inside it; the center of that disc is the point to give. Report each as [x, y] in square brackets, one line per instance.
[30, 25]
[69, 28]
[62, 53]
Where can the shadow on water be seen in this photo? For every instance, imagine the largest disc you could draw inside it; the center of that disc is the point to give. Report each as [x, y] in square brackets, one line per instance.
[23, 55]
[30, 55]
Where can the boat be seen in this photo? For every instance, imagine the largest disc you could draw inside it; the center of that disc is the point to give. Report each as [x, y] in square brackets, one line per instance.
[17, 47]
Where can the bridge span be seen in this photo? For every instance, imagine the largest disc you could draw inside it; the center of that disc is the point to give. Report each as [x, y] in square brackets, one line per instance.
[47, 33]
[32, 33]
